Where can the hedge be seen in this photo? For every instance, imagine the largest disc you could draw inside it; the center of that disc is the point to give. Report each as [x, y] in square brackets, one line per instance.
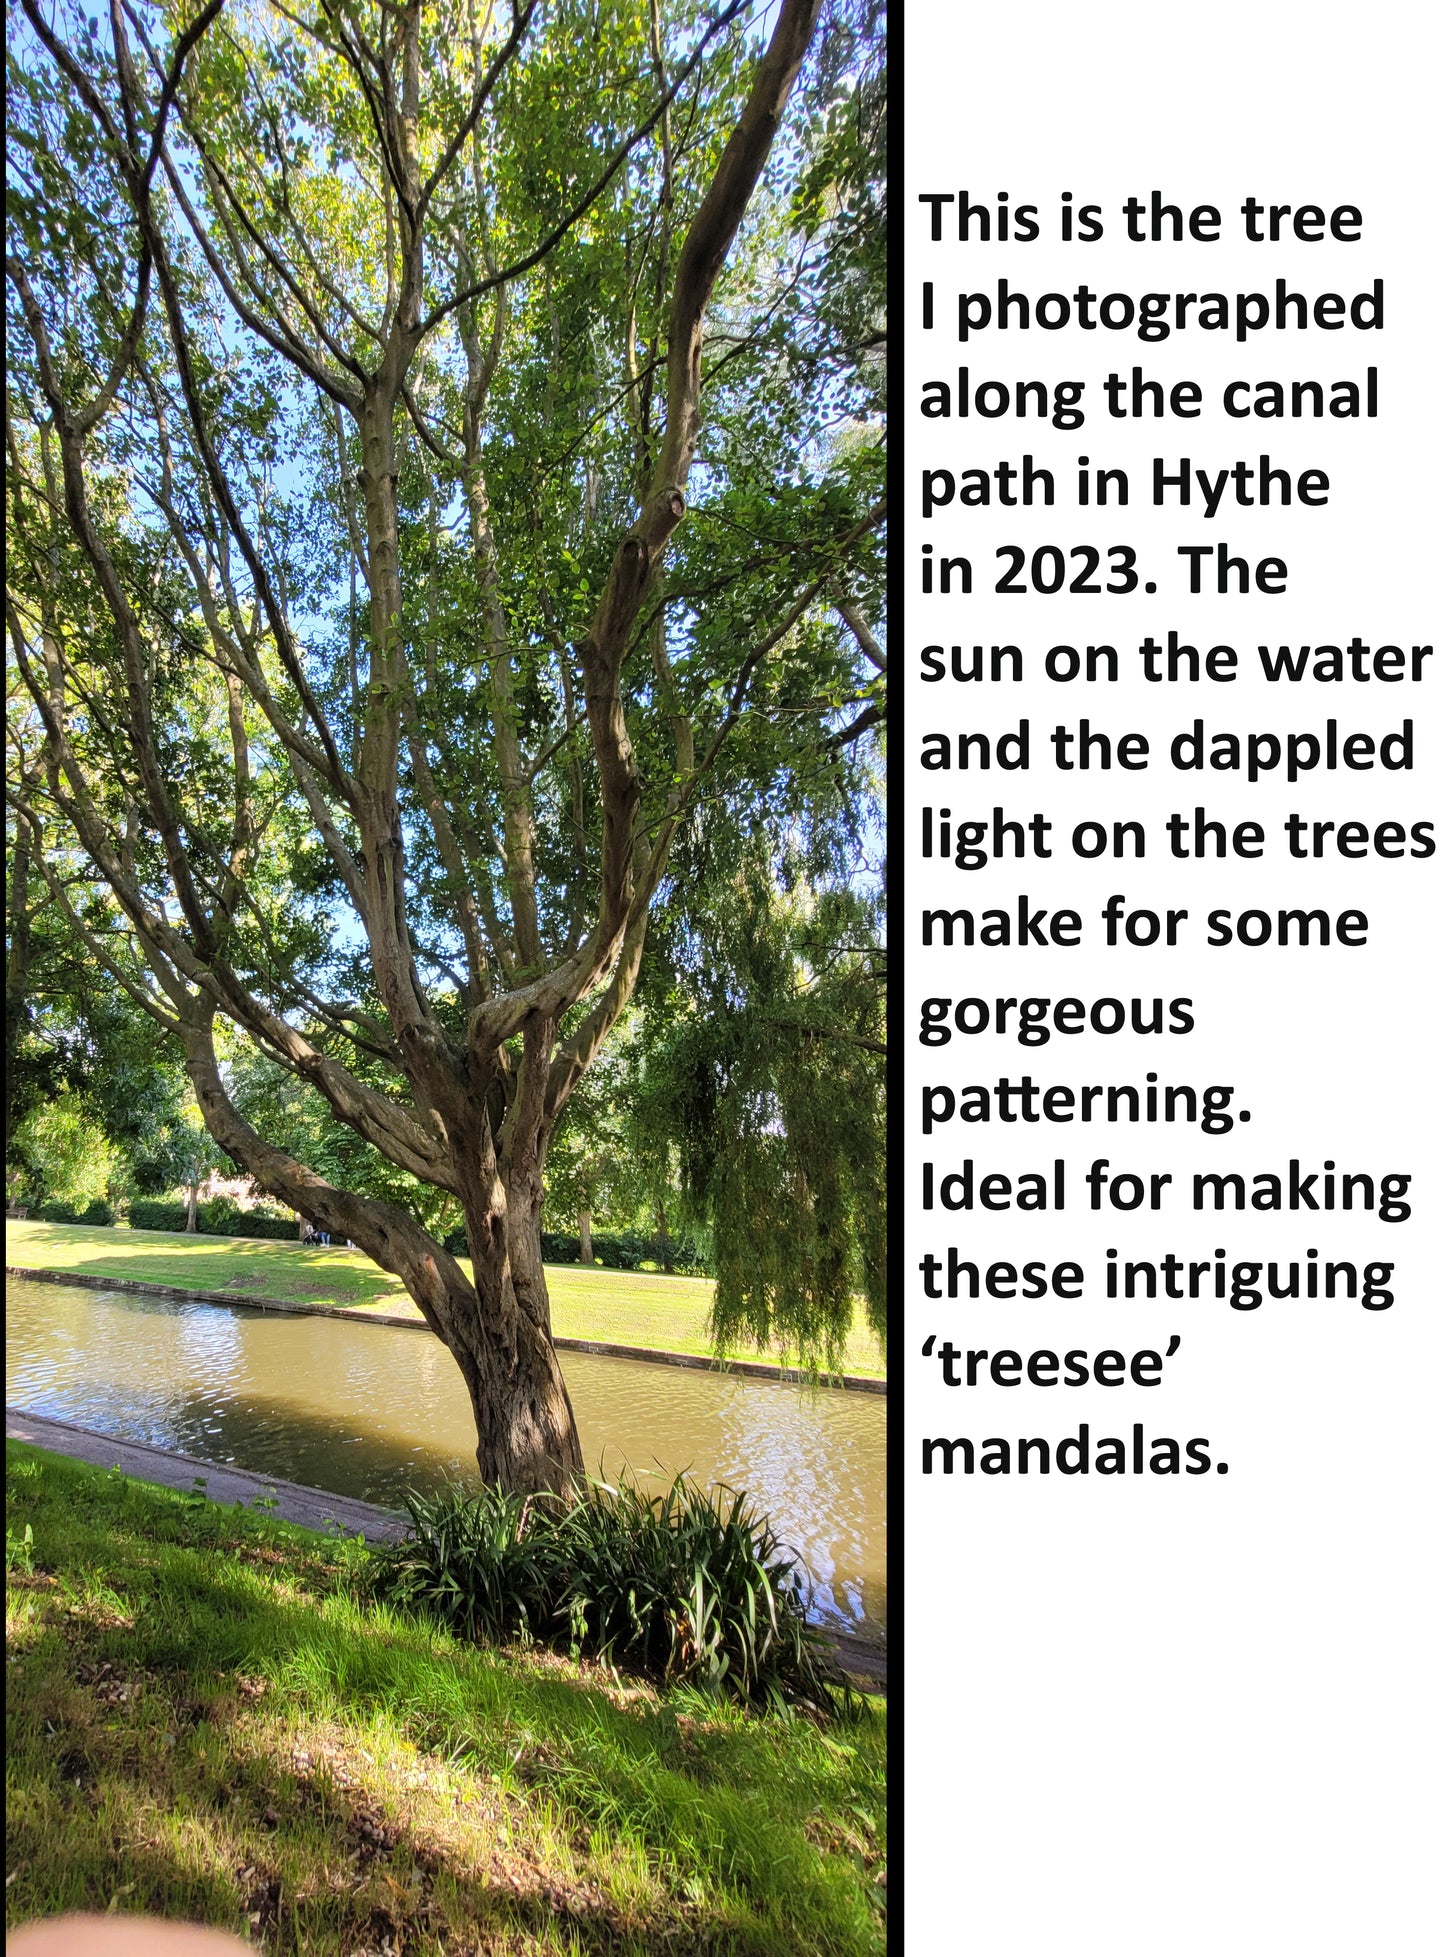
[211, 1220]
[96, 1211]
[255, 1223]
[627, 1250]
[150, 1214]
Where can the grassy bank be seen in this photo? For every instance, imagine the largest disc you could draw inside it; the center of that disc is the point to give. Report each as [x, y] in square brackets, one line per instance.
[203, 1723]
[667, 1314]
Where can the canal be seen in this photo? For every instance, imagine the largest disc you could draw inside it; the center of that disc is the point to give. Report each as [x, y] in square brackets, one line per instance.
[369, 1410]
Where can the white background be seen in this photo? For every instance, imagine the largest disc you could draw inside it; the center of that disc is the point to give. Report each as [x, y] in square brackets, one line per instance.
[1186, 1715]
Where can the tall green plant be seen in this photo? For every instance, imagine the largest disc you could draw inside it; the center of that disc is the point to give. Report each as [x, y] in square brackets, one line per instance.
[689, 1585]
[766, 1071]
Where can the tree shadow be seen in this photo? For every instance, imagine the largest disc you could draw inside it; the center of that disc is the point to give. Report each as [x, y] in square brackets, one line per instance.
[174, 1264]
[312, 1857]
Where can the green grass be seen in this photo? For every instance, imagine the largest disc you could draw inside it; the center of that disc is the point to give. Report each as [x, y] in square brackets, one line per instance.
[204, 1722]
[667, 1314]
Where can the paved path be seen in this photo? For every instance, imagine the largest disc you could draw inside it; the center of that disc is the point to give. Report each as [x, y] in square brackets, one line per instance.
[312, 1507]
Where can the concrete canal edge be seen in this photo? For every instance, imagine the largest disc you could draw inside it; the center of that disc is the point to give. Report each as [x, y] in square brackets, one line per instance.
[313, 1508]
[742, 1368]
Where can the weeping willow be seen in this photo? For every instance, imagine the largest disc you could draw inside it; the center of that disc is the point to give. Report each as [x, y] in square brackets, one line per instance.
[772, 1083]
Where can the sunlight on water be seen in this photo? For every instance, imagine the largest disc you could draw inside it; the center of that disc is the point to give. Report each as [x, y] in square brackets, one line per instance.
[366, 1410]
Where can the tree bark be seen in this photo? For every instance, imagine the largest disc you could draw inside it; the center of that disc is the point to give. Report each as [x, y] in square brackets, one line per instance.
[17, 969]
[584, 1236]
[477, 1119]
[497, 1325]
[526, 1430]
[664, 1241]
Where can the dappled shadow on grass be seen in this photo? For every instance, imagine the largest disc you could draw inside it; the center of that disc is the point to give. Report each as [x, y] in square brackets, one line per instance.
[203, 1727]
[199, 1261]
[306, 1284]
[333, 1875]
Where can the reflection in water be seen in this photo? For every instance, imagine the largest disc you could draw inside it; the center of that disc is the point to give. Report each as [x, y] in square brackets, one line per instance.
[368, 1410]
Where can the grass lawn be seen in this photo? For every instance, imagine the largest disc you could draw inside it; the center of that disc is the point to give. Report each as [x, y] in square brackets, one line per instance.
[618, 1307]
[203, 1723]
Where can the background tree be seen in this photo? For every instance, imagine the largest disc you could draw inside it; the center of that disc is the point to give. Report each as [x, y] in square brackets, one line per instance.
[365, 352]
[765, 1072]
[281, 1106]
[591, 1159]
[197, 1159]
[95, 1095]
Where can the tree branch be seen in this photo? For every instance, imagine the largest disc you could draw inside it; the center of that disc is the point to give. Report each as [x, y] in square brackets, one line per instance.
[614, 163]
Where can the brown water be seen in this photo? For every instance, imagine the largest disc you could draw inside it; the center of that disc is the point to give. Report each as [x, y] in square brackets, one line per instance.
[368, 1410]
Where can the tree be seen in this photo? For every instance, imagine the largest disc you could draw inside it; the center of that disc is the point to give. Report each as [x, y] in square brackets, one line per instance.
[590, 1163]
[85, 1069]
[33, 1069]
[766, 1073]
[59, 1154]
[282, 1107]
[366, 353]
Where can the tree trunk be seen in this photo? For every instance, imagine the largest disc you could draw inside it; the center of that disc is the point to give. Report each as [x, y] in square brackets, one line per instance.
[526, 1430]
[191, 1193]
[498, 1327]
[17, 970]
[664, 1241]
[584, 1234]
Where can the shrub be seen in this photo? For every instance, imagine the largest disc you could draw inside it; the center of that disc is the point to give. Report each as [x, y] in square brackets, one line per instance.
[261, 1223]
[628, 1250]
[474, 1562]
[149, 1214]
[693, 1585]
[690, 1586]
[96, 1211]
[220, 1217]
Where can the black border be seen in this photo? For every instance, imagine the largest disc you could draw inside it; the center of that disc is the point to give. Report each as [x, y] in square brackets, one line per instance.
[895, 873]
